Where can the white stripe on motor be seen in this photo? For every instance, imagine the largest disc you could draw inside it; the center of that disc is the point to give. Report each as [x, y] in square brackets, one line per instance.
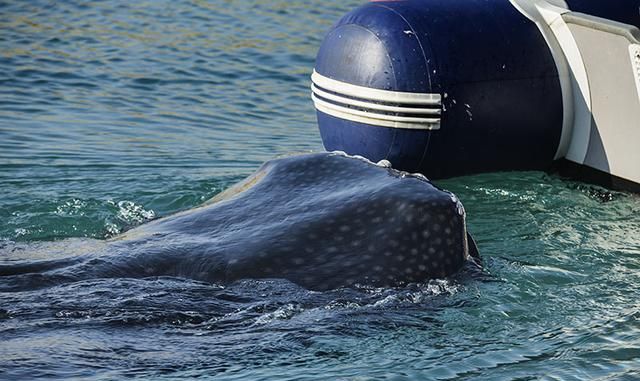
[376, 119]
[424, 99]
[374, 106]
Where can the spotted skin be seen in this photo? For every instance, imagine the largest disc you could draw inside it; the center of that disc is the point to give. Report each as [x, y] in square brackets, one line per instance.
[320, 220]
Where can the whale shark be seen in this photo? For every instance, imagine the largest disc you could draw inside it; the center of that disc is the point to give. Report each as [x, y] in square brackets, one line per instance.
[320, 220]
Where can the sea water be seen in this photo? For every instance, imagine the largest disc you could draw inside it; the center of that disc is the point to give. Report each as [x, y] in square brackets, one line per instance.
[116, 113]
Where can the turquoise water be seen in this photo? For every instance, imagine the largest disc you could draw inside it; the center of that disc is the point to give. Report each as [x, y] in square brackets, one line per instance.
[112, 114]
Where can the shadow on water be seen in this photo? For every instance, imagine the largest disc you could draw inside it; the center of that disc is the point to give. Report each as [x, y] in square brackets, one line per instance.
[203, 328]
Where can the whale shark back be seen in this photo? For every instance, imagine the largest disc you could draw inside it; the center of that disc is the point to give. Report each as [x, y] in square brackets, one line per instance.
[321, 220]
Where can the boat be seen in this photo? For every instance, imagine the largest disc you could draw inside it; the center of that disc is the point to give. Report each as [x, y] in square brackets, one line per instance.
[457, 87]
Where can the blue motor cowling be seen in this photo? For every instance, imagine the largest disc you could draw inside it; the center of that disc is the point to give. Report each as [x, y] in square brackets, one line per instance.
[624, 11]
[441, 87]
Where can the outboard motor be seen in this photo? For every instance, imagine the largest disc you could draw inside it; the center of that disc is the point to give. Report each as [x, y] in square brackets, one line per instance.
[452, 87]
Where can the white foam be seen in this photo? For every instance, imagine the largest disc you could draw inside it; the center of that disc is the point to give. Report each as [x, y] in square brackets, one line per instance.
[384, 163]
